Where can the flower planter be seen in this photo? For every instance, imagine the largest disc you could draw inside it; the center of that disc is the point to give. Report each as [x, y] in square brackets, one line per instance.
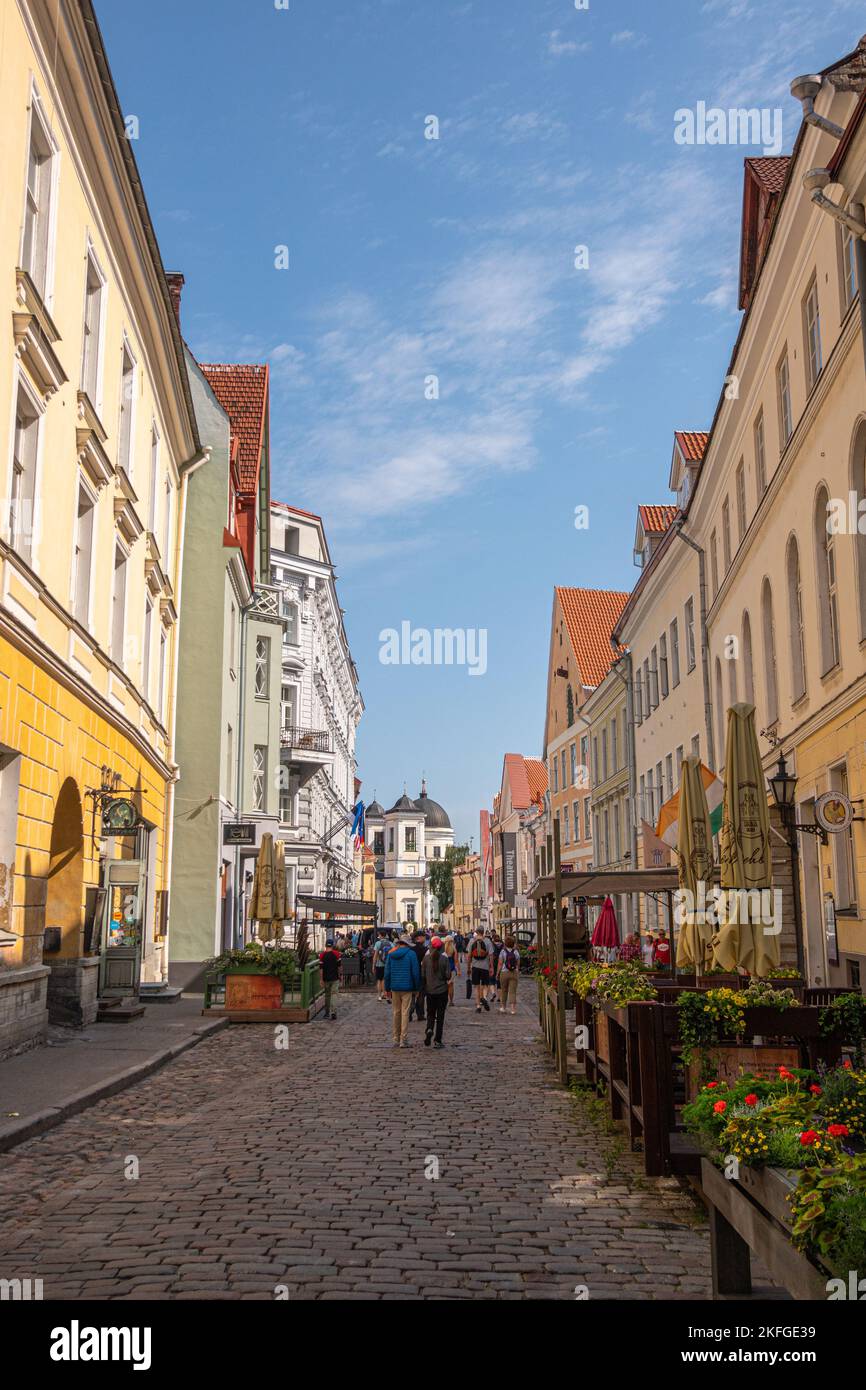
[252, 989]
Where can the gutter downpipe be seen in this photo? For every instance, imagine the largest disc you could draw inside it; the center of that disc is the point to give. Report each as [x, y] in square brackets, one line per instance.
[242, 707]
[705, 655]
[628, 682]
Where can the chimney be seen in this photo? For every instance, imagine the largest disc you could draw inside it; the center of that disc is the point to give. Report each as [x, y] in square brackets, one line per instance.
[176, 283]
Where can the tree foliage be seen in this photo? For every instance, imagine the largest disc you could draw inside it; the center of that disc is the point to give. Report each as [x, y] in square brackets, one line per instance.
[441, 874]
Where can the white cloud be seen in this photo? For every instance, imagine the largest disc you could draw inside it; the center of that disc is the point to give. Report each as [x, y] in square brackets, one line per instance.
[628, 37]
[557, 46]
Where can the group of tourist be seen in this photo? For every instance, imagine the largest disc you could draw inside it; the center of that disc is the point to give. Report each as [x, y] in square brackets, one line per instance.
[653, 950]
[416, 975]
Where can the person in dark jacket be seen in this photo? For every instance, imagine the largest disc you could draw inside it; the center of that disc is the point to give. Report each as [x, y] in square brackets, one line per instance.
[402, 979]
[329, 961]
[419, 945]
[435, 974]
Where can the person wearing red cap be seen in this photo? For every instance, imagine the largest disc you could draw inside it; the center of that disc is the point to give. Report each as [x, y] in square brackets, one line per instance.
[435, 974]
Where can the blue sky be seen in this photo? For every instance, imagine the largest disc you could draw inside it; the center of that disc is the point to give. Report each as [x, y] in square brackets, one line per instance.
[410, 257]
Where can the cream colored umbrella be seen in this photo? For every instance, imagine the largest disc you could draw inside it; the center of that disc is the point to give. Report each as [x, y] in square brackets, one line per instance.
[744, 940]
[694, 866]
[263, 897]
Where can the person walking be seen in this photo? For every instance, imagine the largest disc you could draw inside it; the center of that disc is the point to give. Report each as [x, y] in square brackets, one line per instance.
[436, 975]
[381, 947]
[480, 958]
[419, 946]
[508, 974]
[402, 981]
[329, 961]
[450, 949]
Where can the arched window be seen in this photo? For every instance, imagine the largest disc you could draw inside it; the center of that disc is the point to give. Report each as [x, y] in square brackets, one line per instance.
[768, 634]
[732, 680]
[858, 487]
[569, 706]
[825, 569]
[796, 634]
[720, 718]
[748, 667]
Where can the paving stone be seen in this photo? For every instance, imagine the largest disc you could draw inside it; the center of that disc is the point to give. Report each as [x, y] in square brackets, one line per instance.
[319, 1184]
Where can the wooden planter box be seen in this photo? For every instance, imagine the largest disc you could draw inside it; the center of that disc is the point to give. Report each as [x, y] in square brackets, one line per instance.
[751, 1216]
[732, 1062]
[250, 989]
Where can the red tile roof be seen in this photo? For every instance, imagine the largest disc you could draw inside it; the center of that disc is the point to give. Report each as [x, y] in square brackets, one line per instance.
[290, 507]
[656, 520]
[515, 768]
[537, 774]
[242, 391]
[590, 616]
[692, 444]
[770, 170]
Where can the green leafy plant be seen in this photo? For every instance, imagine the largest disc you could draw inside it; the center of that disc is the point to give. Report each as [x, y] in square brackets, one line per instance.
[761, 994]
[845, 1018]
[784, 972]
[271, 960]
[619, 983]
[828, 1212]
[705, 1018]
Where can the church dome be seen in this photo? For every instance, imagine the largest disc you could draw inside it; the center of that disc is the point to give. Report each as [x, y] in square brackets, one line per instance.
[375, 811]
[436, 817]
[404, 804]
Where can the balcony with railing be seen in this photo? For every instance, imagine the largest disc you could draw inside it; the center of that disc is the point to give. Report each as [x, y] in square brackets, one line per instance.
[306, 744]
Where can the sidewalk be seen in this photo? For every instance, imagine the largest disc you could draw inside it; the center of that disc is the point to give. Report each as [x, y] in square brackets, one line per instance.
[40, 1088]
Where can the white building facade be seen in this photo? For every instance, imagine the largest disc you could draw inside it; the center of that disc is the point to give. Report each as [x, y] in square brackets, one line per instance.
[321, 709]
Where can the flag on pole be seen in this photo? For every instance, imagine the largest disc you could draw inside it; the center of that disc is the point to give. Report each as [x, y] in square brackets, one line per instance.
[358, 826]
[668, 827]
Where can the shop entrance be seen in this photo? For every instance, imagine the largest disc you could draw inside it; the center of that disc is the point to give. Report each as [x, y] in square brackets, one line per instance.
[65, 888]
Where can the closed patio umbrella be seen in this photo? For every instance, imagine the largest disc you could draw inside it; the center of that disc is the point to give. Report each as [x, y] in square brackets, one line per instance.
[606, 931]
[266, 908]
[694, 865]
[743, 940]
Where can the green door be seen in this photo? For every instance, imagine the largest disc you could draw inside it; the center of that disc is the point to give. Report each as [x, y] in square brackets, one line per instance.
[120, 968]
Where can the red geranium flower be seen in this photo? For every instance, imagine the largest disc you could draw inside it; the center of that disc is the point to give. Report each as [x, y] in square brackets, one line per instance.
[751, 1099]
[711, 1085]
[809, 1137]
[847, 1064]
[785, 1075]
[837, 1131]
[816, 1090]
[720, 1107]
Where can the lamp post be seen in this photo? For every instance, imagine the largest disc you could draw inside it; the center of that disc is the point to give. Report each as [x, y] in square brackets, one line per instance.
[783, 785]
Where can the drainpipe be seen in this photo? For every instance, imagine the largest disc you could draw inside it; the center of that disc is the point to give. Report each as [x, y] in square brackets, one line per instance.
[705, 655]
[853, 219]
[805, 90]
[631, 756]
[242, 704]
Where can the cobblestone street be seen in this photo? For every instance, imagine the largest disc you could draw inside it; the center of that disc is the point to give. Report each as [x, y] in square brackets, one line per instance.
[307, 1168]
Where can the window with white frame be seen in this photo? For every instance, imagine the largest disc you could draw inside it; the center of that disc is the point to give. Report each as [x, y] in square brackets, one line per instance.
[290, 706]
[154, 475]
[94, 293]
[795, 621]
[291, 629]
[260, 773]
[664, 684]
[573, 752]
[163, 663]
[675, 653]
[741, 501]
[825, 547]
[37, 205]
[726, 534]
[118, 603]
[812, 332]
[783, 386]
[617, 841]
[760, 456]
[575, 807]
[127, 407]
[689, 613]
[565, 823]
[82, 560]
[843, 850]
[22, 497]
[587, 834]
[148, 640]
[849, 268]
[263, 667]
[714, 563]
[613, 747]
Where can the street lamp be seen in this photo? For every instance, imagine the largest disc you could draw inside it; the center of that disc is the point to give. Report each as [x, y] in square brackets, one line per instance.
[783, 785]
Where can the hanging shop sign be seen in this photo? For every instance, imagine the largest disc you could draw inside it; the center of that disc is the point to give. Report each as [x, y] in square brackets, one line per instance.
[120, 817]
[239, 833]
[834, 811]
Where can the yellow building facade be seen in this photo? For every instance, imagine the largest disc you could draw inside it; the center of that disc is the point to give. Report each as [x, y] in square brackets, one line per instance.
[97, 438]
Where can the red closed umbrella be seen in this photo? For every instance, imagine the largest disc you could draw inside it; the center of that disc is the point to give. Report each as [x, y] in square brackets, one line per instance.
[606, 932]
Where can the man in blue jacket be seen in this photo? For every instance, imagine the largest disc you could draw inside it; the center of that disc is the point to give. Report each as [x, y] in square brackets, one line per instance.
[402, 980]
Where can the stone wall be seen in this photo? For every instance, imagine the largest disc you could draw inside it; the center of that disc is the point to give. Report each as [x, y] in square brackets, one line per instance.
[72, 991]
[23, 1011]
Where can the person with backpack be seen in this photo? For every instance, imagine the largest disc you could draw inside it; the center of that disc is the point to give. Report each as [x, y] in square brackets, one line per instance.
[419, 946]
[402, 981]
[450, 949]
[436, 977]
[381, 947]
[508, 974]
[329, 961]
[480, 960]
